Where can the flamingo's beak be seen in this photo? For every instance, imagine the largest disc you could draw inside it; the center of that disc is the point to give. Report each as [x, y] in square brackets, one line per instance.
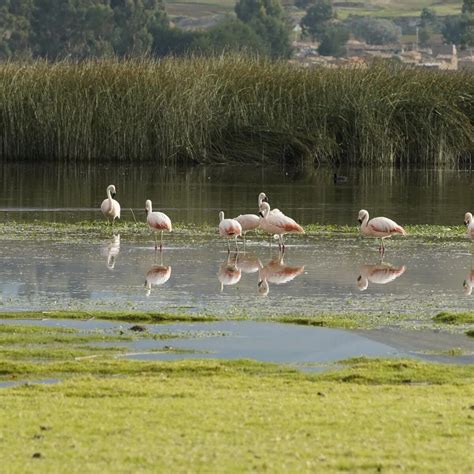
[265, 199]
[260, 214]
[466, 222]
[112, 194]
[359, 278]
[260, 283]
[360, 221]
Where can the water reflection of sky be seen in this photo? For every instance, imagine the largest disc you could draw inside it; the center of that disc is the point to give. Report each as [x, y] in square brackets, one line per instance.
[315, 275]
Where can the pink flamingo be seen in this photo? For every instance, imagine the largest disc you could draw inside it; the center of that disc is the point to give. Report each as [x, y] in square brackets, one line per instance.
[110, 207]
[262, 197]
[469, 221]
[381, 274]
[158, 222]
[278, 224]
[379, 227]
[248, 222]
[229, 229]
[468, 284]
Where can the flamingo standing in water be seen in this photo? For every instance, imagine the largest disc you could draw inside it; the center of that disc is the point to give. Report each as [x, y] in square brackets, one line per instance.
[110, 207]
[262, 197]
[157, 221]
[229, 229]
[379, 227]
[248, 222]
[469, 221]
[278, 224]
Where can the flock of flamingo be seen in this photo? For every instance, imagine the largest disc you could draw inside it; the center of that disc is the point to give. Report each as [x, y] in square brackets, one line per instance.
[275, 223]
[271, 221]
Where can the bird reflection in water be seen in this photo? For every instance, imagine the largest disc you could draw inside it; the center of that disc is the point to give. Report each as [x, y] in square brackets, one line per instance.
[381, 274]
[229, 273]
[157, 275]
[111, 250]
[468, 284]
[276, 272]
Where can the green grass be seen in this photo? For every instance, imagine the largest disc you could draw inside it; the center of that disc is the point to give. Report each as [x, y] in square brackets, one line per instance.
[233, 109]
[455, 318]
[242, 416]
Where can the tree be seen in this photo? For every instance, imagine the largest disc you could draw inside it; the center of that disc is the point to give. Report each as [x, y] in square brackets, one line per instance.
[267, 19]
[374, 30]
[230, 35]
[428, 18]
[460, 29]
[317, 18]
[15, 29]
[333, 41]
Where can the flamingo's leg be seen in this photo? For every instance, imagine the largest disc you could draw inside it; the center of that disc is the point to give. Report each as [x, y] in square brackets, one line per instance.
[161, 242]
[156, 243]
[236, 246]
[228, 246]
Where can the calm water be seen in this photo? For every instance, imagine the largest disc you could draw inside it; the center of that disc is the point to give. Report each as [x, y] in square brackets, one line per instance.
[270, 342]
[317, 274]
[195, 195]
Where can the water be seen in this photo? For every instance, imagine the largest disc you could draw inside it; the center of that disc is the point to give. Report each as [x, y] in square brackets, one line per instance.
[316, 274]
[195, 195]
[271, 342]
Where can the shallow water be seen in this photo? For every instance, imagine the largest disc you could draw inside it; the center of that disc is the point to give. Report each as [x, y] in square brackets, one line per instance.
[272, 342]
[316, 274]
[195, 195]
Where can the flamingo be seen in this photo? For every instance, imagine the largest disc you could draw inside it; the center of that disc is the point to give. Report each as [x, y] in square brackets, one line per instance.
[382, 227]
[262, 197]
[157, 221]
[469, 221]
[229, 273]
[229, 228]
[248, 222]
[248, 263]
[157, 275]
[110, 207]
[381, 274]
[275, 271]
[278, 224]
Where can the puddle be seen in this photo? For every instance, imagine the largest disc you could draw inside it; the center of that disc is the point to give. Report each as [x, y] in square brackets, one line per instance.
[17, 383]
[274, 342]
[317, 274]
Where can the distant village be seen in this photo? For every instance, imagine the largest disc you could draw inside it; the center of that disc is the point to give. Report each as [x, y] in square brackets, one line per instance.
[440, 56]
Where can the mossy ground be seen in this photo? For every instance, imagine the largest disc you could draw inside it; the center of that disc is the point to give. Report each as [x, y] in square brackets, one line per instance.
[114, 415]
[240, 416]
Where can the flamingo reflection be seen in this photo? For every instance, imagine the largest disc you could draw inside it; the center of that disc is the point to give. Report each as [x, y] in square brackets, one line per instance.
[229, 273]
[248, 263]
[276, 272]
[381, 274]
[157, 275]
[111, 250]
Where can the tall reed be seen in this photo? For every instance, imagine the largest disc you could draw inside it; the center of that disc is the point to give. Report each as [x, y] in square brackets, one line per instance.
[233, 108]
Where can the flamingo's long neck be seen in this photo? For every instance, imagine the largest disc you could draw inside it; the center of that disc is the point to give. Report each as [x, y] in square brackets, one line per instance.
[365, 220]
[109, 195]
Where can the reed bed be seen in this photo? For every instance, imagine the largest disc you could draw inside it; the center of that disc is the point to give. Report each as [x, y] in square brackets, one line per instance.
[233, 109]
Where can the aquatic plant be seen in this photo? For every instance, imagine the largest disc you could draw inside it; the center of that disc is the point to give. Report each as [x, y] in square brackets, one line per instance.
[233, 109]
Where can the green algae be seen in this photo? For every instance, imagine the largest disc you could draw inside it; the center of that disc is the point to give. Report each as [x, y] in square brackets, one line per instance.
[455, 318]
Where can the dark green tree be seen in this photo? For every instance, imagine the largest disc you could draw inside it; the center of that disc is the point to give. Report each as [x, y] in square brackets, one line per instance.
[317, 19]
[333, 41]
[267, 19]
[374, 30]
[15, 28]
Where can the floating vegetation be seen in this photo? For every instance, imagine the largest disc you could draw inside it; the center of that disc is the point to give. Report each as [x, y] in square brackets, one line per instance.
[455, 318]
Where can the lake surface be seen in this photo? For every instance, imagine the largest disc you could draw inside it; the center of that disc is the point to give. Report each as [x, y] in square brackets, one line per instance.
[317, 274]
[195, 195]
